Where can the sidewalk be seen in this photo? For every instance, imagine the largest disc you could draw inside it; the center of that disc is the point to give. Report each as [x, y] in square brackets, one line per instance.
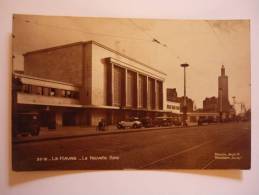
[77, 131]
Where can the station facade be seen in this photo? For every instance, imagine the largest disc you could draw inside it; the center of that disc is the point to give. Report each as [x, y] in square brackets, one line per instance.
[84, 82]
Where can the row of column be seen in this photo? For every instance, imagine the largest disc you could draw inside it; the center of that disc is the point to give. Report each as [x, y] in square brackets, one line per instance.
[150, 98]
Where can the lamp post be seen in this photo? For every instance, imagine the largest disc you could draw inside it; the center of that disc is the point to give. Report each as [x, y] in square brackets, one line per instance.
[185, 65]
[220, 104]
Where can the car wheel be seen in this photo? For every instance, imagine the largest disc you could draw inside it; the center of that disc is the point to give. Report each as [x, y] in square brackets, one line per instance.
[135, 126]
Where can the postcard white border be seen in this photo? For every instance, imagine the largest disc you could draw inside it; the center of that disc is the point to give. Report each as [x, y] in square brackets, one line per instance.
[127, 182]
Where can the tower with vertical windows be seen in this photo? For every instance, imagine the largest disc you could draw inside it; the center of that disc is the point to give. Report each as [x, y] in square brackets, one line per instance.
[223, 102]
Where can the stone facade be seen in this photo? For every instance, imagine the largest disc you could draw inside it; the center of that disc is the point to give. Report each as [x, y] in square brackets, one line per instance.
[55, 63]
[110, 85]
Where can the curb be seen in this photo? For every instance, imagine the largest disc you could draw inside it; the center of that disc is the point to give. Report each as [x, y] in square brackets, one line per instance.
[94, 134]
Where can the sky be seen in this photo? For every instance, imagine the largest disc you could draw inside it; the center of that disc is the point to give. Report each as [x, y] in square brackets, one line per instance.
[205, 45]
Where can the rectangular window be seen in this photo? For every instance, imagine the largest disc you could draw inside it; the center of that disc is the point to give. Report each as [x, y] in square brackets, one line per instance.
[26, 88]
[52, 92]
[68, 94]
[35, 90]
[39, 90]
[45, 91]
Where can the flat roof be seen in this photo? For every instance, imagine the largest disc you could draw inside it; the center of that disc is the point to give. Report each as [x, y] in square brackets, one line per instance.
[96, 43]
[43, 79]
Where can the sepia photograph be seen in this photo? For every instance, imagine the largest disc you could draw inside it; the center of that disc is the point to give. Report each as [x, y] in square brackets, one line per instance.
[128, 93]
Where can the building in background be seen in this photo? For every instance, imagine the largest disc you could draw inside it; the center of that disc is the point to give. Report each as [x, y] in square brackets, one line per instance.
[223, 101]
[171, 94]
[178, 101]
[210, 104]
[173, 108]
[189, 102]
[84, 82]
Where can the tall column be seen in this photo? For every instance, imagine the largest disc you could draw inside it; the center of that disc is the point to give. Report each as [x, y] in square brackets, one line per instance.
[155, 93]
[147, 94]
[124, 90]
[110, 91]
[137, 90]
[161, 96]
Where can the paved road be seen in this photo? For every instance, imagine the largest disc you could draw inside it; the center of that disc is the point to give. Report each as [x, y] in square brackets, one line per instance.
[206, 147]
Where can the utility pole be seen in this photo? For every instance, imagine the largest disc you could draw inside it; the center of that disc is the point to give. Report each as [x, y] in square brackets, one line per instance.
[185, 65]
[220, 104]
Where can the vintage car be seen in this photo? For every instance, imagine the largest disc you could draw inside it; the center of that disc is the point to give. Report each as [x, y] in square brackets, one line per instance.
[147, 122]
[163, 121]
[203, 120]
[133, 122]
[26, 123]
[177, 122]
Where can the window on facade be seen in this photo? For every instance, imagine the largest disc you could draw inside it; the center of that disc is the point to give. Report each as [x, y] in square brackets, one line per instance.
[45, 91]
[39, 90]
[52, 92]
[35, 90]
[26, 88]
[62, 93]
[68, 94]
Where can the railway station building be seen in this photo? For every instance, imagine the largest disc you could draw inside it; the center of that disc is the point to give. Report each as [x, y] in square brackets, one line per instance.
[84, 82]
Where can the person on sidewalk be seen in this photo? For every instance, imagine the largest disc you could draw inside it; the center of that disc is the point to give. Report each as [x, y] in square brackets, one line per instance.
[101, 125]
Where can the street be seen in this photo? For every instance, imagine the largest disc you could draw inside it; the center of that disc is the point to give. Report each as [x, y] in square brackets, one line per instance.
[206, 147]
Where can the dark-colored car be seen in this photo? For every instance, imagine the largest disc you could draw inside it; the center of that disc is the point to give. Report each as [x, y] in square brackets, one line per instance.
[147, 122]
[211, 119]
[163, 121]
[177, 122]
[202, 120]
[26, 123]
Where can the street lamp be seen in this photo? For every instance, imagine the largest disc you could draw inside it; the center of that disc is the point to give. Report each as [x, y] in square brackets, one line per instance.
[220, 104]
[185, 65]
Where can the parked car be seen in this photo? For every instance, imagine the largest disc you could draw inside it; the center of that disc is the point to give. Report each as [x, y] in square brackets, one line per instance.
[26, 123]
[177, 122]
[211, 120]
[147, 122]
[131, 123]
[202, 120]
[163, 121]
